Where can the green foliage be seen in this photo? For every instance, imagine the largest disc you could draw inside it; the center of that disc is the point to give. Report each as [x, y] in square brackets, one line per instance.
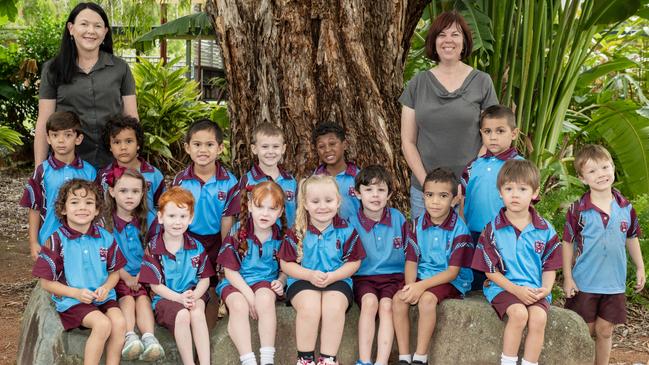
[9, 139]
[8, 10]
[555, 203]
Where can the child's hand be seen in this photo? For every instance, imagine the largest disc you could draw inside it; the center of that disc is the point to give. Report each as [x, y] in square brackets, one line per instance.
[570, 287]
[526, 294]
[250, 298]
[187, 299]
[640, 280]
[411, 293]
[541, 293]
[278, 287]
[34, 250]
[317, 278]
[133, 282]
[85, 296]
[101, 293]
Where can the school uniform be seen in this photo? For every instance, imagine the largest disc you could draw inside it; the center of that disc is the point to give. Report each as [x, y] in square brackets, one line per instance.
[345, 181]
[179, 272]
[155, 183]
[127, 236]
[325, 251]
[258, 266]
[436, 247]
[42, 189]
[384, 242]
[213, 200]
[83, 261]
[285, 180]
[521, 256]
[599, 241]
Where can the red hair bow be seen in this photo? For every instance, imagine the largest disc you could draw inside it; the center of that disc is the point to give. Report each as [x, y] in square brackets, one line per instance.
[114, 174]
[249, 188]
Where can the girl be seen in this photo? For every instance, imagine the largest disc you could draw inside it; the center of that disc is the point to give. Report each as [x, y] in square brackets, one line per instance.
[81, 280]
[249, 258]
[126, 217]
[319, 258]
[179, 272]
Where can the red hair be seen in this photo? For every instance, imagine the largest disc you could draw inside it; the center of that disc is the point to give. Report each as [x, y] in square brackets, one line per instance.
[179, 196]
[256, 195]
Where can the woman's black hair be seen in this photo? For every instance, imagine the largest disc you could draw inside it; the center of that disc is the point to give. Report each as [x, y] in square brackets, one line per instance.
[64, 64]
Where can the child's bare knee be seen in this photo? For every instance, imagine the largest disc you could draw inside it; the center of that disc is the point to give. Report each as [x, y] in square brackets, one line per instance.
[537, 321]
[183, 318]
[604, 330]
[517, 314]
[427, 302]
[370, 303]
[385, 307]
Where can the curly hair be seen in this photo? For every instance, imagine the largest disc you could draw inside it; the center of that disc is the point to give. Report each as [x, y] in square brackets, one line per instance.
[71, 188]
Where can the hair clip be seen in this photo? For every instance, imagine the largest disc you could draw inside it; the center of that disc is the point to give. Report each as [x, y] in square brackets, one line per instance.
[114, 174]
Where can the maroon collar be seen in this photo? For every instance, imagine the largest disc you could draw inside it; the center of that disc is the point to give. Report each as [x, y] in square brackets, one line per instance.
[258, 174]
[158, 245]
[337, 222]
[368, 224]
[351, 169]
[56, 164]
[537, 221]
[505, 155]
[448, 224]
[120, 224]
[586, 203]
[72, 234]
[188, 173]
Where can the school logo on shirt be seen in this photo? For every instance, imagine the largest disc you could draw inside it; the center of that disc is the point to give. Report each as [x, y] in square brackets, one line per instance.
[103, 254]
[221, 195]
[624, 226]
[148, 186]
[338, 244]
[351, 191]
[538, 246]
[290, 195]
[397, 242]
[196, 261]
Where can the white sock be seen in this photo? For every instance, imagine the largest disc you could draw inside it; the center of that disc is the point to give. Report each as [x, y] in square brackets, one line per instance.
[267, 355]
[508, 360]
[407, 358]
[378, 363]
[248, 359]
[147, 334]
[129, 333]
[525, 362]
[422, 358]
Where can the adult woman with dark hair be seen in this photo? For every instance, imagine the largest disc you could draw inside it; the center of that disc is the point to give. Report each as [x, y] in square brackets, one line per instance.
[87, 79]
[441, 106]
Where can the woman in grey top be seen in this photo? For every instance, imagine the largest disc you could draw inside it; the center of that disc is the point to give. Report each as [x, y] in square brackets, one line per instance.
[87, 79]
[441, 106]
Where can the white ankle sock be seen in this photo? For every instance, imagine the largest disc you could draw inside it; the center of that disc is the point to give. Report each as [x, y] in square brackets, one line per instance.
[525, 362]
[407, 358]
[147, 334]
[248, 359]
[508, 360]
[267, 355]
[422, 358]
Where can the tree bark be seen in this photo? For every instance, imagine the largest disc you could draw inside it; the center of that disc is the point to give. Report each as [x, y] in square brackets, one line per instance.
[298, 63]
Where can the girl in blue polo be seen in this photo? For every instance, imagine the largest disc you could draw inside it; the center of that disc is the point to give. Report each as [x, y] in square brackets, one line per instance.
[252, 278]
[126, 217]
[320, 258]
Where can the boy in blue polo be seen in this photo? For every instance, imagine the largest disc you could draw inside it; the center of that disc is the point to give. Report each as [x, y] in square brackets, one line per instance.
[599, 226]
[330, 142]
[382, 231]
[269, 146]
[439, 250]
[519, 252]
[63, 164]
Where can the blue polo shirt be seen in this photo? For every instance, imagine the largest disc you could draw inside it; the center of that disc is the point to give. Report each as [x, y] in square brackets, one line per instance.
[285, 180]
[521, 257]
[179, 272]
[383, 241]
[42, 189]
[325, 251]
[154, 181]
[79, 260]
[257, 263]
[213, 198]
[436, 247]
[482, 200]
[129, 240]
[345, 181]
[600, 242]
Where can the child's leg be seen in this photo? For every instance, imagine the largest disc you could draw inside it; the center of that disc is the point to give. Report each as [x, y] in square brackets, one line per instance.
[307, 304]
[334, 304]
[385, 336]
[267, 322]
[516, 320]
[183, 336]
[238, 323]
[127, 306]
[117, 335]
[427, 307]
[200, 332]
[401, 321]
[603, 340]
[100, 328]
[367, 326]
[537, 318]
[144, 314]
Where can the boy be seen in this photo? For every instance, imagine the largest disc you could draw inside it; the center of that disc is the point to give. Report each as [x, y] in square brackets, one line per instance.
[382, 232]
[438, 253]
[63, 135]
[519, 252]
[269, 146]
[124, 138]
[598, 227]
[330, 143]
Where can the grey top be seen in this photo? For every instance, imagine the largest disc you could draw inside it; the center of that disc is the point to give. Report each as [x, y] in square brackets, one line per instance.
[94, 97]
[448, 123]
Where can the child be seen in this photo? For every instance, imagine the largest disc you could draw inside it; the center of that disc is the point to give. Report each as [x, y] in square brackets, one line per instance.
[252, 279]
[79, 264]
[330, 143]
[178, 270]
[124, 137]
[439, 250]
[320, 258]
[126, 218]
[42, 189]
[382, 231]
[269, 147]
[519, 251]
[598, 227]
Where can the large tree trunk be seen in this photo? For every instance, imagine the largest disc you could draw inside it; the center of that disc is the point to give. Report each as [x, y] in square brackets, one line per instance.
[298, 63]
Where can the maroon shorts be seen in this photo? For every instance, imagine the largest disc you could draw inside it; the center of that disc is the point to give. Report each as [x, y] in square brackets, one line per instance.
[382, 286]
[73, 317]
[444, 291]
[502, 301]
[166, 312]
[123, 290]
[229, 289]
[610, 307]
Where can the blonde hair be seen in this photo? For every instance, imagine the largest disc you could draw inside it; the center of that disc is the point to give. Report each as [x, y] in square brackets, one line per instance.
[301, 215]
[592, 152]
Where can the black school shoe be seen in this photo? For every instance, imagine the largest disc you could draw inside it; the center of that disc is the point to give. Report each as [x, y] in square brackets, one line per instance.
[417, 362]
[403, 362]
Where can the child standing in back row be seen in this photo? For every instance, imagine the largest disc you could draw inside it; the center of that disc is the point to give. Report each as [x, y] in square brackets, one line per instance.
[600, 227]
